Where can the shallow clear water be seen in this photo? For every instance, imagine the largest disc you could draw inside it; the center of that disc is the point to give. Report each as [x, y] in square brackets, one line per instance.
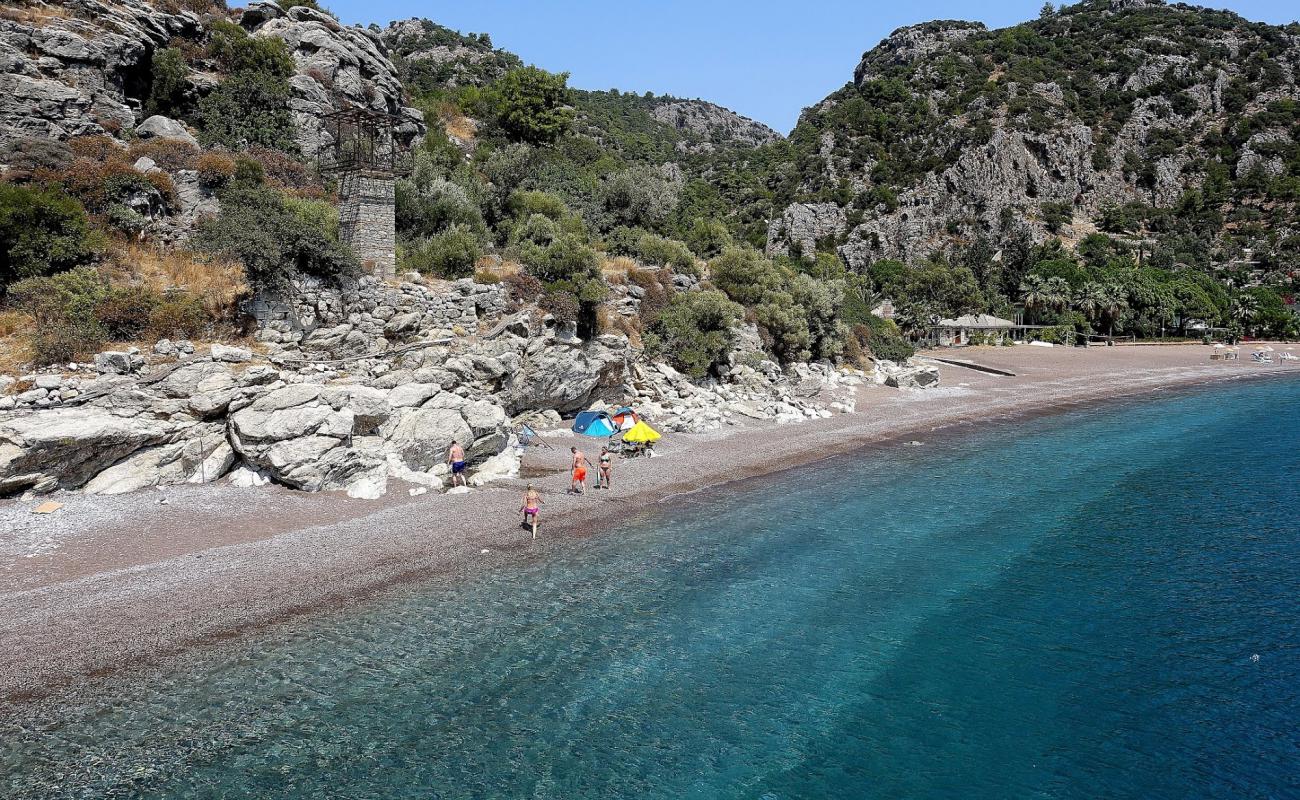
[1063, 607]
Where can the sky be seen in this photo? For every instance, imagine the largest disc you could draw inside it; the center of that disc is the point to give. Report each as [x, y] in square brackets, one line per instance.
[764, 59]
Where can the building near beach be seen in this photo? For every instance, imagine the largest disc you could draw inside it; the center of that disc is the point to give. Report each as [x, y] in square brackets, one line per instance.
[977, 329]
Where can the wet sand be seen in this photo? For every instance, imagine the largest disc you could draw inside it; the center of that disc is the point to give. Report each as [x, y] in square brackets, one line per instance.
[110, 584]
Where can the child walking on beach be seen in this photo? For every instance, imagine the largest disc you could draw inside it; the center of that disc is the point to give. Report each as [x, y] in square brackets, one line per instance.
[532, 506]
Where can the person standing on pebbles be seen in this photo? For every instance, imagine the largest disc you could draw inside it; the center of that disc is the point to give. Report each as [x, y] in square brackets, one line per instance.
[606, 465]
[580, 464]
[456, 458]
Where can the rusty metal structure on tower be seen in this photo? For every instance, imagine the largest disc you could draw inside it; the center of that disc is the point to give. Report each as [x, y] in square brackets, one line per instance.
[364, 140]
[368, 159]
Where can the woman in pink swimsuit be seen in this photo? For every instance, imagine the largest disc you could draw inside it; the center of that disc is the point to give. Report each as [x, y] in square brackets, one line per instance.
[531, 507]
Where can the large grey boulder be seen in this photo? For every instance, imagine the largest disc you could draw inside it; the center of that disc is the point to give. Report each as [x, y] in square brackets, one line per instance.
[421, 437]
[567, 378]
[289, 434]
[160, 127]
[66, 447]
[202, 456]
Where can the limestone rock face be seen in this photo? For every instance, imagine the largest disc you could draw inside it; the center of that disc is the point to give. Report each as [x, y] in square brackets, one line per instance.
[65, 448]
[802, 224]
[713, 123]
[73, 69]
[339, 66]
[1009, 154]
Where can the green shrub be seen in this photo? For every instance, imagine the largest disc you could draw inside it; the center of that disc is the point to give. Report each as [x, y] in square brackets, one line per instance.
[434, 208]
[167, 93]
[42, 231]
[126, 219]
[565, 259]
[709, 237]
[1056, 214]
[179, 315]
[786, 326]
[63, 307]
[658, 251]
[125, 312]
[451, 254]
[258, 228]
[237, 52]
[695, 331]
[248, 108]
[524, 204]
[533, 105]
[745, 275]
[882, 339]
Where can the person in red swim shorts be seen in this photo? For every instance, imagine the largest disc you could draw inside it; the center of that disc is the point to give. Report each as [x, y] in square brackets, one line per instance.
[580, 464]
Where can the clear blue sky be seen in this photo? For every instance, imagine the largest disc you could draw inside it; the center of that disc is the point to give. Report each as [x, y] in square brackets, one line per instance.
[764, 59]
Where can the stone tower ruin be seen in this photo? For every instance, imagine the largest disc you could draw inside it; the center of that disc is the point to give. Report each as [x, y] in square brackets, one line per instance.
[368, 161]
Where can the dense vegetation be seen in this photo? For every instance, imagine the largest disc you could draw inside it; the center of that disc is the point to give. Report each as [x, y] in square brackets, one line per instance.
[579, 196]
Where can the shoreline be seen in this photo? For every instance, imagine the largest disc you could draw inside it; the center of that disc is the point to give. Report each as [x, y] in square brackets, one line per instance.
[73, 617]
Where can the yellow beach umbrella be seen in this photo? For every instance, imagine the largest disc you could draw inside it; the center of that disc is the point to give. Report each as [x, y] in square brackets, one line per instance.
[641, 433]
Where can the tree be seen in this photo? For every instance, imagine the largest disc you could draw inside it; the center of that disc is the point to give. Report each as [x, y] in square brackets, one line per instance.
[695, 331]
[1034, 296]
[42, 231]
[258, 228]
[167, 93]
[248, 108]
[745, 275]
[533, 105]
[1047, 11]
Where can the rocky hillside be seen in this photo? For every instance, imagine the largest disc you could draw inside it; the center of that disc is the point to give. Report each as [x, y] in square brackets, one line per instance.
[75, 67]
[438, 61]
[1144, 120]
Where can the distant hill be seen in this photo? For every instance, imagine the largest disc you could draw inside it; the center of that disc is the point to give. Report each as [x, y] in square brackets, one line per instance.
[1172, 125]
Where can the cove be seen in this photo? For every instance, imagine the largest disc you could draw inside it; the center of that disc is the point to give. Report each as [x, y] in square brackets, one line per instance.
[1101, 603]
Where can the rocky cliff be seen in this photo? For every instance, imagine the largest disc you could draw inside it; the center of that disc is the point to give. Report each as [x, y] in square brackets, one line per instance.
[75, 67]
[949, 131]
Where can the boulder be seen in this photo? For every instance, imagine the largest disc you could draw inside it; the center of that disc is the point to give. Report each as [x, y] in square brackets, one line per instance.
[421, 437]
[69, 446]
[161, 127]
[411, 395]
[232, 355]
[202, 456]
[117, 362]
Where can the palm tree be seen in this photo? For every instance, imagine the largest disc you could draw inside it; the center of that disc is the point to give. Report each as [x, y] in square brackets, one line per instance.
[1113, 301]
[1033, 294]
[1244, 308]
[1058, 293]
[1090, 300]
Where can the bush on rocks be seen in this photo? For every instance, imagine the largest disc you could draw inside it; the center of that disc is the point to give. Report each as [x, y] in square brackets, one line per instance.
[125, 311]
[63, 308]
[179, 315]
[451, 254]
[42, 231]
[258, 228]
[694, 331]
[745, 275]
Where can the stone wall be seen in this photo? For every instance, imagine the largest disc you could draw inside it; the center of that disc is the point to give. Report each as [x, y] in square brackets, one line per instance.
[367, 223]
[351, 319]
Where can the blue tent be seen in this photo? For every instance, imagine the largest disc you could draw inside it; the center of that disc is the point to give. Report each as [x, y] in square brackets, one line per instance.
[594, 423]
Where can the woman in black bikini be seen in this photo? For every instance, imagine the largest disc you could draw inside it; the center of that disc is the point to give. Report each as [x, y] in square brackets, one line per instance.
[606, 461]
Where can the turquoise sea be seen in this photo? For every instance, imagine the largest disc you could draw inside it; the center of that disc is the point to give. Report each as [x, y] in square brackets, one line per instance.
[1098, 604]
